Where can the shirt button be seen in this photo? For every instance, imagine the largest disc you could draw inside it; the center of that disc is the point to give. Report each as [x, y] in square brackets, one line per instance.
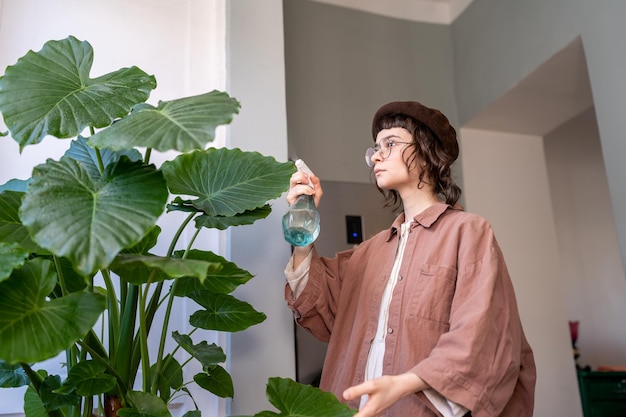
[400, 277]
[389, 330]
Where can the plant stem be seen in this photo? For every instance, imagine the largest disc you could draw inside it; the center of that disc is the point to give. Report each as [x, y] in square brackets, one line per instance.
[124, 347]
[72, 358]
[191, 242]
[113, 312]
[136, 348]
[168, 309]
[143, 341]
[94, 343]
[98, 154]
[184, 224]
[87, 406]
[35, 379]
[146, 316]
[146, 158]
[61, 278]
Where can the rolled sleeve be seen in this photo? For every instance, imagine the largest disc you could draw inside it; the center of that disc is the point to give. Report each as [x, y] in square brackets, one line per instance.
[297, 278]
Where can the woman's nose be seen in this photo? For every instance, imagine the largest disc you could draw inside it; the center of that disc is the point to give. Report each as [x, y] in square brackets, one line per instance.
[376, 157]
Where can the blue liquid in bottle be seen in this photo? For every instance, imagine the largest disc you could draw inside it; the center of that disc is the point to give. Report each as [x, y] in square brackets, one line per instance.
[301, 224]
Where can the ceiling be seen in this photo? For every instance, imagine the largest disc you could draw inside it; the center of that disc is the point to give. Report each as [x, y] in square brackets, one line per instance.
[548, 97]
[431, 11]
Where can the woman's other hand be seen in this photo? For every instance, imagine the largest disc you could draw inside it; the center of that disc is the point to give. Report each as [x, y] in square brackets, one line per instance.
[383, 392]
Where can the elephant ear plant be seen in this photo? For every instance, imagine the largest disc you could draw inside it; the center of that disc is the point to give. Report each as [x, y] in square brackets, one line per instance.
[77, 242]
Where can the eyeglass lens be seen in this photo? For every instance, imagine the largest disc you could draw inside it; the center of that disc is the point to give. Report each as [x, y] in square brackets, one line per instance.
[384, 149]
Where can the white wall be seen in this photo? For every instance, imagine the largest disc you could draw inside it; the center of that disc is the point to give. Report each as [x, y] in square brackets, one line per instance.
[593, 274]
[180, 42]
[257, 79]
[507, 183]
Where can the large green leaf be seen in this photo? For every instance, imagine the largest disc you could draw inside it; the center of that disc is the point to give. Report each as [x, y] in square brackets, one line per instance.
[178, 204]
[136, 268]
[169, 377]
[227, 181]
[15, 185]
[87, 378]
[12, 376]
[224, 281]
[50, 93]
[183, 124]
[53, 400]
[89, 220]
[144, 405]
[33, 329]
[11, 256]
[219, 222]
[224, 222]
[207, 355]
[148, 242]
[33, 406]
[87, 156]
[217, 380]
[299, 400]
[11, 227]
[223, 312]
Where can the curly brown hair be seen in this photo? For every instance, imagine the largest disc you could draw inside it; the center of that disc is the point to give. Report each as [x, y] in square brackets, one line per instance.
[430, 152]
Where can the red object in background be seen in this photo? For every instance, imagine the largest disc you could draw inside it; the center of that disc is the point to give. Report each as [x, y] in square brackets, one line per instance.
[573, 331]
[612, 368]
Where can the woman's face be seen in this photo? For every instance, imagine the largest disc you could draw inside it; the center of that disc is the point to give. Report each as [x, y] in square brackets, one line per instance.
[391, 171]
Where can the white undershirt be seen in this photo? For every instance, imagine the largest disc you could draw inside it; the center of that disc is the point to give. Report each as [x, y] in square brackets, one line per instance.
[374, 366]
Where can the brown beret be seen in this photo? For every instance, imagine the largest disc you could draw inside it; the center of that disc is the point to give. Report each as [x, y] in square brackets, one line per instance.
[431, 118]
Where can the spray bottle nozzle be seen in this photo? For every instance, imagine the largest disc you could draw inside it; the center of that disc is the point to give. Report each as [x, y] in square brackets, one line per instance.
[302, 167]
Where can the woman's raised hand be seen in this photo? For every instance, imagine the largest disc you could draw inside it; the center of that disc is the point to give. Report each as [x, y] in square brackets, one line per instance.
[300, 183]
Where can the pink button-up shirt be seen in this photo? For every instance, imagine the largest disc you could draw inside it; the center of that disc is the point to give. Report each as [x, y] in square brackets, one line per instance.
[453, 316]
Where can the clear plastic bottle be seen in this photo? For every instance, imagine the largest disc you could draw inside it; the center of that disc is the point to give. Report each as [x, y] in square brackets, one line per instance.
[301, 223]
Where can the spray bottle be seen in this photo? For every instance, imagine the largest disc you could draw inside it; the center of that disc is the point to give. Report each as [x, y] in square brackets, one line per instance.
[301, 223]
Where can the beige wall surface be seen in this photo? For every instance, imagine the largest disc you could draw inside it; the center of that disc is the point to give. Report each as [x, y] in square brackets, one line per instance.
[256, 78]
[341, 65]
[507, 183]
[350, 199]
[592, 272]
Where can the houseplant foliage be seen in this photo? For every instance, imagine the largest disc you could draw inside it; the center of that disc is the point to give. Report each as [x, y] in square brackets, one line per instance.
[77, 240]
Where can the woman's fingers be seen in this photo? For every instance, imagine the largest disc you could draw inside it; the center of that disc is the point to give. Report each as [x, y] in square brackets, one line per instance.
[298, 178]
[300, 183]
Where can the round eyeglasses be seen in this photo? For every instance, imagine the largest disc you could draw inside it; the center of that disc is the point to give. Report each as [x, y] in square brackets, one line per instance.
[384, 147]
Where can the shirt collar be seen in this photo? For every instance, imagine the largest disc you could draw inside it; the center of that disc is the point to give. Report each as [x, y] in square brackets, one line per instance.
[426, 218]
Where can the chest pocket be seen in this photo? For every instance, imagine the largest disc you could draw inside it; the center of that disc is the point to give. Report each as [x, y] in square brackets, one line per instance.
[431, 293]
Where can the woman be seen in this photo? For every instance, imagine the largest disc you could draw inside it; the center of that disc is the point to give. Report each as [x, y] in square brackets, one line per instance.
[421, 319]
